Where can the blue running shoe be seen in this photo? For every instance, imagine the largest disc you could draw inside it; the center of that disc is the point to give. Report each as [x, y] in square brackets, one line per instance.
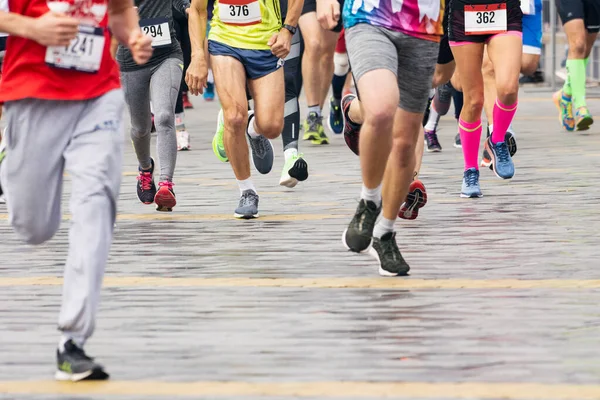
[502, 162]
[336, 120]
[470, 185]
[209, 92]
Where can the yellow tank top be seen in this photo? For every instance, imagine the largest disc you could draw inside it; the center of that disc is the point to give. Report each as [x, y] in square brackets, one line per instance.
[245, 24]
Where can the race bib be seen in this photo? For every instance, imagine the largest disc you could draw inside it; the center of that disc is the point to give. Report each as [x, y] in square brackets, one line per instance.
[158, 30]
[528, 7]
[486, 19]
[240, 12]
[83, 54]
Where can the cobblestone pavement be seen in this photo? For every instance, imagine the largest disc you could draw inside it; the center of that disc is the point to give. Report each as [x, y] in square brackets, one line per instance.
[503, 296]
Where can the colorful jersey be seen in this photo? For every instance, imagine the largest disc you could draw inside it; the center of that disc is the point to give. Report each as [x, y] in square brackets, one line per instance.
[419, 18]
[27, 75]
[245, 24]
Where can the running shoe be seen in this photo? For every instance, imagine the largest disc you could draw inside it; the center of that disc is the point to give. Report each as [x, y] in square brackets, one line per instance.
[183, 140]
[511, 142]
[351, 130]
[74, 365]
[502, 163]
[457, 142]
[153, 129]
[359, 234]
[187, 104]
[336, 121]
[262, 150]
[583, 119]
[313, 129]
[387, 253]
[565, 110]
[217, 142]
[248, 206]
[432, 143]
[165, 197]
[470, 184]
[295, 170]
[209, 92]
[416, 198]
[146, 190]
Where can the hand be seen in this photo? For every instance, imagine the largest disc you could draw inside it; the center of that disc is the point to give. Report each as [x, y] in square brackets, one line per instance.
[196, 75]
[140, 46]
[281, 43]
[53, 29]
[328, 13]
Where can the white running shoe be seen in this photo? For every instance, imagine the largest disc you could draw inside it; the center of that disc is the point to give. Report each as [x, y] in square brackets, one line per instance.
[183, 140]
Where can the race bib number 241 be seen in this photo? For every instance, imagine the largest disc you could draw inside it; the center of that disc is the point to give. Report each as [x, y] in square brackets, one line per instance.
[83, 54]
[488, 19]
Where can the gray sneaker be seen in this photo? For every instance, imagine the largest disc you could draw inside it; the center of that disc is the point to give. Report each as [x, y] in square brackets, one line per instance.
[262, 150]
[248, 206]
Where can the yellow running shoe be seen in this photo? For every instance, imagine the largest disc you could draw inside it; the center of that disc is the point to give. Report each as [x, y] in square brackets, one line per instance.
[583, 119]
[565, 110]
[217, 142]
[311, 126]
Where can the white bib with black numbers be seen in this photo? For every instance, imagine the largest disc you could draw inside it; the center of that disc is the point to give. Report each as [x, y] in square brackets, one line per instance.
[158, 30]
[240, 12]
[83, 54]
[488, 19]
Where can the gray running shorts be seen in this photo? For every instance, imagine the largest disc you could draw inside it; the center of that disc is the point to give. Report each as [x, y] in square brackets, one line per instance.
[411, 59]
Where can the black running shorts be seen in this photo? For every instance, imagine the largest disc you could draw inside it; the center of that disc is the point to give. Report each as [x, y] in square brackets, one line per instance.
[587, 10]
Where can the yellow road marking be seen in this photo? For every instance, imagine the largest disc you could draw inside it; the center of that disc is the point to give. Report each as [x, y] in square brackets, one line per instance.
[412, 390]
[205, 217]
[331, 282]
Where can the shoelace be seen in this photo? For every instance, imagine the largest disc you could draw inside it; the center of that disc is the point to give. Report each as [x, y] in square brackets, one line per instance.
[145, 179]
[432, 139]
[313, 121]
[502, 152]
[167, 184]
[260, 145]
[248, 199]
[389, 250]
[472, 178]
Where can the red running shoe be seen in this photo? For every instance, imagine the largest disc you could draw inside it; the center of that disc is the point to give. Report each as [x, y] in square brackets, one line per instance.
[187, 104]
[415, 199]
[165, 197]
[351, 130]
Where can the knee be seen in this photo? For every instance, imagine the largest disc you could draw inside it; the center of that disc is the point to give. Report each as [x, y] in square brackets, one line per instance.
[270, 128]
[341, 64]
[508, 92]
[380, 117]
[164, 120]
[577, 47]
[314, 46]
[35, 232]
[404, 150]
[236, 119]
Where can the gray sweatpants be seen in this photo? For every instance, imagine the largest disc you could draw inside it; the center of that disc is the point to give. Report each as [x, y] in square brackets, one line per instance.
[44, 139]
[162, 82]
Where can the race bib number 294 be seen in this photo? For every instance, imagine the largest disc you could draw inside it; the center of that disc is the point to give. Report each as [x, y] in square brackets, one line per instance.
[488, 19]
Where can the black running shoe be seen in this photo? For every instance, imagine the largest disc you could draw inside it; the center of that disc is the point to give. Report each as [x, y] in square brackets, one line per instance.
[351, 130]
[391, 262]
[74, 365]
[359, 234]
[432, 144]
[146, 189]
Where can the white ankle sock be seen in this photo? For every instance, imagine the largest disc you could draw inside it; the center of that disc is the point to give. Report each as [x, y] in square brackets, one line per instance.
[432, 121]
[246, 184]
[383, 226]
[373, 195]
[252, 128]
[290, 153]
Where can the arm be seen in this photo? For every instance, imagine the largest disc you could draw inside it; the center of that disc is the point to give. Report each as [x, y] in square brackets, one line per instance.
[293, 12]
[281, 42]
[124, 24]
[328, 13]
[197, 72]
[50, 29]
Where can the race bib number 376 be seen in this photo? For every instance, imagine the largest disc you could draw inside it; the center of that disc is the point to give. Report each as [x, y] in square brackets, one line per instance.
[240, 12]
[486, 19]
[83, 54]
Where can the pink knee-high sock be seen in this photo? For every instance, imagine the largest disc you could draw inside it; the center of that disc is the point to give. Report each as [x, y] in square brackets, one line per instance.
[470, 136]
[503, 116]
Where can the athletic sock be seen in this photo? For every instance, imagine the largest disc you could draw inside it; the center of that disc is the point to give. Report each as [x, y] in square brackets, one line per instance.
[246, 184]
[373, 195]
[491, 128]
[252, 129]
[503, 116]
[470, 135]
[291, 123]
[337, 86]
[210, 78]
[288, 153]
[316, 109]
[383, 226]
[576, 78]
[433, 120]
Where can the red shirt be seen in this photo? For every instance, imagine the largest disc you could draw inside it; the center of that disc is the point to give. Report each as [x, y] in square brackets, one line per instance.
[25, 73]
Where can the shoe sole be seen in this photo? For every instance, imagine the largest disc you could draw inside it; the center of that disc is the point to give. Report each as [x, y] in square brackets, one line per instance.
[165, 201]
[298, 173]
[585, 124]
[320, 141]
[310, 136]
[246, 216]
[472, 196]
[382, 272]
[93, 375]
[432, 150]
[366, 249]
[270, 167]
[419, 200]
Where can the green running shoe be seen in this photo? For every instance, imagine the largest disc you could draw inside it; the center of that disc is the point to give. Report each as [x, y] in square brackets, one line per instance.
[295, 170]
[217, 142]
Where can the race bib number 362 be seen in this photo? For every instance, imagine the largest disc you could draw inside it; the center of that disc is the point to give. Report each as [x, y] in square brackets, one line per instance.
[486, 19]
[240, 12]
[83, 54]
